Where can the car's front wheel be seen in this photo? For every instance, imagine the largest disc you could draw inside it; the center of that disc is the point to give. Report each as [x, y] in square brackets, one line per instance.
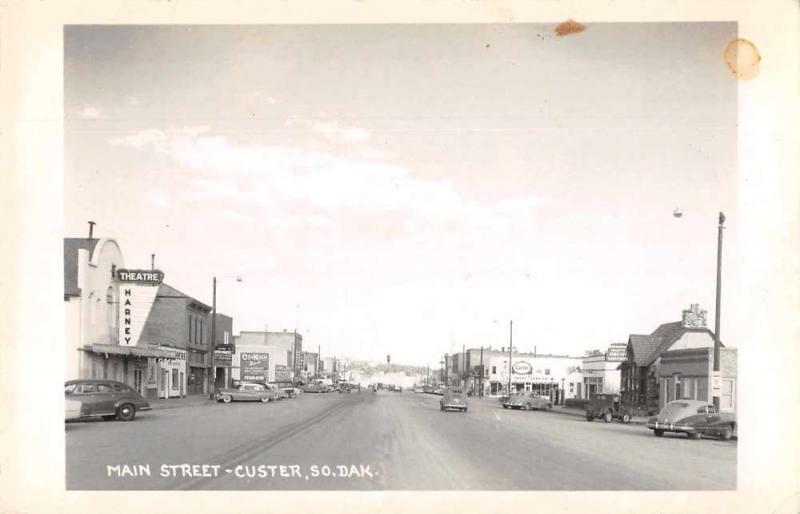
[589, 417]
[528, 407]
[608, 417]
[726, 433]
[658, 433]
[126, 412]
[626, 418]
[227, 398]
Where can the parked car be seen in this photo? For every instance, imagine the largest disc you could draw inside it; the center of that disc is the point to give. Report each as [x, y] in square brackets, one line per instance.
[281, 393]
[453, 398]
[418, 390]
[528, 400]
[107, 399]
[608, 407]
[287, 387]
[693, 418]
[315, 387]
[244, 392]
[345, 388]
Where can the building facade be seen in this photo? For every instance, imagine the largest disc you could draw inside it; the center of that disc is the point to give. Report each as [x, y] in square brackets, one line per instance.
[106, 306]
[601, 371]
[487, 371]
[641, 378]
[688, 374]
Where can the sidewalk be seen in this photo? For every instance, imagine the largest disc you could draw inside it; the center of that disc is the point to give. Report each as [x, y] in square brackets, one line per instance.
[174, 403]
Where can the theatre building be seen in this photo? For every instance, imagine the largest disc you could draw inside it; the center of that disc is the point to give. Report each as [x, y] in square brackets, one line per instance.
[105, 308]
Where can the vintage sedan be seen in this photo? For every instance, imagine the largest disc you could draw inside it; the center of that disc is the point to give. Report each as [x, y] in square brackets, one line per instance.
[693, 418]
[107, 399]
[529, 401]
[246, 392]
[315, 387]
[453, 398]
[287, 387]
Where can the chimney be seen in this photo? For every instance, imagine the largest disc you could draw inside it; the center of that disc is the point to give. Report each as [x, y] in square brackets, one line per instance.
[694, 317]
[91, 229]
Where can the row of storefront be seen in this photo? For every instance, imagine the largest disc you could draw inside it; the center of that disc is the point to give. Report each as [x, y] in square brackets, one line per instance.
[674, 362]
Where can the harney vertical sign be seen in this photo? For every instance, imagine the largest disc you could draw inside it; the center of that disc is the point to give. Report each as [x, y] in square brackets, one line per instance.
[137, 292]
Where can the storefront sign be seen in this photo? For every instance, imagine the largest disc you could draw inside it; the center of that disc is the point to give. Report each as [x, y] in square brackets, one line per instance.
[223, 355]
[521, 368]
[140, 276]
[254, 366]
[135, 302]
[282, 373]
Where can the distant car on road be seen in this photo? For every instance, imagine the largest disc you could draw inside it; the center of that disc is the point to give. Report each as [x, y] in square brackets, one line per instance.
[107, 399]
[418, 390]
[529, 401]
[244, 392]
[608, 407]
[693, 418]
[454, 398]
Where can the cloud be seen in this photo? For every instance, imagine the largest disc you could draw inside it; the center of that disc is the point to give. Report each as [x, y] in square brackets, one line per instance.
[297, 188]
[333, 130]
[91, 113]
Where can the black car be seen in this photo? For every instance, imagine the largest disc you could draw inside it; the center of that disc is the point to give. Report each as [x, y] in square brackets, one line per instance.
[107, 399]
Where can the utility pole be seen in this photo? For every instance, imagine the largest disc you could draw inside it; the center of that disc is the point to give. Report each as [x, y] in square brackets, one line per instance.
[212, 373]
[464, 372]
[717, 310]
[480, 393]
[510, 346]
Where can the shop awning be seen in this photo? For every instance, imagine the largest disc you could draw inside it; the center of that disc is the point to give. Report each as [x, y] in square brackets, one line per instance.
[134, 351]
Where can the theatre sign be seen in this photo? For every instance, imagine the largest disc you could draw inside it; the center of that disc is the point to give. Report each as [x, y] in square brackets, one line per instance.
[137, 292]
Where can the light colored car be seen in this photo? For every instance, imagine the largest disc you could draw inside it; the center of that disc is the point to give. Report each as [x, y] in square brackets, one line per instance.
[454, 398]
[244, 392]
[107, 399]
[693, 418]
[529, 401]
[281, 394]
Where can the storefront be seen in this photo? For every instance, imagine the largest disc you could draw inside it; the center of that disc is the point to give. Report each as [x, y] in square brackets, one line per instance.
[137, 367]
[173, 375]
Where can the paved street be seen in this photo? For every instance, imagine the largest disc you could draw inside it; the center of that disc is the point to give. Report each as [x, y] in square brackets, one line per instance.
[385, 440]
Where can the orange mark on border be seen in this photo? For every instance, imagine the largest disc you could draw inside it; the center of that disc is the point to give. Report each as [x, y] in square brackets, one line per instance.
[742, 58]
[569, 27]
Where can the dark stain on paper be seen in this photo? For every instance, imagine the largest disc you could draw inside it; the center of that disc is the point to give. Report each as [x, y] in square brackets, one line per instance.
[569, 27]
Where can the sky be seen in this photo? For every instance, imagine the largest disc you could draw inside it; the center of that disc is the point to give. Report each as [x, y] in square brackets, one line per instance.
[409, 189]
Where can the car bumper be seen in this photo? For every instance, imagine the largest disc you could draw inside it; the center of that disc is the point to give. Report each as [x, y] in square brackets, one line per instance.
[670, 427]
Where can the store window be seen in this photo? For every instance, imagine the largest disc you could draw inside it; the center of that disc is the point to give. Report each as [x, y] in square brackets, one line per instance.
[494, 370]
[175, 380]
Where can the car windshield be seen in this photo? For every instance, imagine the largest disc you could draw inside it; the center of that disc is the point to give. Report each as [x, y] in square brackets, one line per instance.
[673, 408]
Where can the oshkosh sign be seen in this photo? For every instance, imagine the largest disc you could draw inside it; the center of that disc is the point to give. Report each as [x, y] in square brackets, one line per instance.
[137, 292]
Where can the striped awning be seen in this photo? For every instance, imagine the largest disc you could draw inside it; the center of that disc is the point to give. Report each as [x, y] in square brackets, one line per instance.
[135, 351]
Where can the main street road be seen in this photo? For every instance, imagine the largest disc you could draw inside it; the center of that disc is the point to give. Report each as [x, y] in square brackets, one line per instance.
[385, 440]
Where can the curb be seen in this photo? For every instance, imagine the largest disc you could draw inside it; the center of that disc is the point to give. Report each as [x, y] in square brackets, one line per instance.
[177, 404]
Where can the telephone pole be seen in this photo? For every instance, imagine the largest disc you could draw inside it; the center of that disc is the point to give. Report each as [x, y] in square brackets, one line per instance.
[510, 346]
[480, 393]
[717, 310]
